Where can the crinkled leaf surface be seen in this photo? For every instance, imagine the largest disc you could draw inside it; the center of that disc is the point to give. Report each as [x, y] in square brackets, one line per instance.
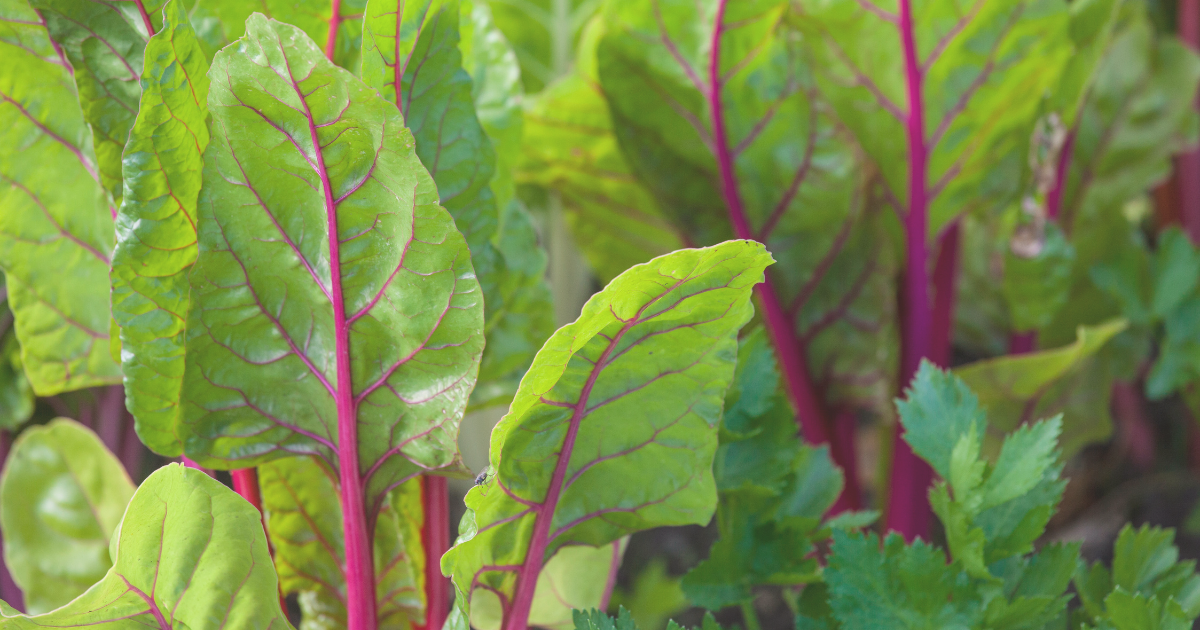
[189, 553]
[55, 225]
[570, 148]
[62, 496]
[327, 276]
[156, 227]
[304, 520]
[985, 66]
[104, 40]
[411, 54]
[1019, 388]
[223, 21]
[796, 176]
[625, 402]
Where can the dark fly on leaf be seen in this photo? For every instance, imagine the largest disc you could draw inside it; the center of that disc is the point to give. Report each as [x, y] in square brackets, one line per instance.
[481, 478]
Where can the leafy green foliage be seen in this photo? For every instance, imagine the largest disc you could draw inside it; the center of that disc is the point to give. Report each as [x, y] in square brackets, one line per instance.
[104, 42]
[270, 309]
[544, 34]
[16, 396]
[61, 497]
[221, 22]
[187, 553]
[626, 402]
[595, 620]
[774, 491]
[52, 219]
[1147, 586]
[304, 521]
[412, 56]
[156, 233]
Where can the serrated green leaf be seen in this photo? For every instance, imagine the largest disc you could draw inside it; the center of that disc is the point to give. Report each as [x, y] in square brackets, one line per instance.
[626, 400]
[289, 341]
[156, 227]
[188, 553]
[1026, 456]
[984, 70]
[653, 597]
[104, 42]
[939, 409]
[596, 620]
[61, 497]
[412, 56]
[55, 227]
[304, 520]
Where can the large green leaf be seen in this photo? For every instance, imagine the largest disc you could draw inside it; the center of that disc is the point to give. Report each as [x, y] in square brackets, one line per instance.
[625, 403]
[16, 396]
[330, 291]
[189, 553]
[796, 179]
[411, 54]
[61, 497]
[570, 148]
[544, 34]
[104, 41]
[304, 520]
[223, 21]
[984, 68]
[1019, 388]
[55, 225]
[156, 227]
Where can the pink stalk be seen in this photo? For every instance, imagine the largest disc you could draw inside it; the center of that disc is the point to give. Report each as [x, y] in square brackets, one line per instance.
[1137, 435]
[1187, 165]
[435, 537]
[145, 17]
[908, 504]
[945, 283]
[190, 463]
[613, 569]
[359, 564]
[335, 22]
[9, 591]
[809, 412]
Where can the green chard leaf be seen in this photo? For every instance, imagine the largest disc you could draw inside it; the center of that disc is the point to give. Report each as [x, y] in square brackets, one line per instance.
[985, 68]
[16, 395]
[55, 225]
[304, 520]
[188, 553]
[798, 181]
[412, 56]
[104, 42]
[331, 296]
[156, 227]
[544, 34]
[223, 21]
[61, 497]
[570, 148]
[626, 400]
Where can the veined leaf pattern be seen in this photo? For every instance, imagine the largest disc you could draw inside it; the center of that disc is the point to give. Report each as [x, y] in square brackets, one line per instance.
[189, 553]
[220, 22]
[614, 427]
[55, 227]
[156, 227]
[105, 41]
[334, 307]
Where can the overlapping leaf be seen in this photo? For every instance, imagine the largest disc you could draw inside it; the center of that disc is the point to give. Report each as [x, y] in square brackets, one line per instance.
[984, 65]
[55, 225]
[412, 56]
[188, 553]
[220, 22]
[1147, 586]
[544, 34]
[62, 496]
[570, 148]
[16, 396]
[796, 177]
[624, 403]
[156, 227]
[329, 288]
[104, 40]
[304, 520]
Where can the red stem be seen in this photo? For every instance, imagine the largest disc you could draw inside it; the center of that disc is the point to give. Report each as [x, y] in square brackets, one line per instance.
[145, 17]
[1137, 434]
[791, 351]
[1187, 164]
[435, 537]
[335, 22]
[190, 463]
[908, 504]
[9, 591]
[945, 284]
[245, 483]
[613, 569]
[1055, 196]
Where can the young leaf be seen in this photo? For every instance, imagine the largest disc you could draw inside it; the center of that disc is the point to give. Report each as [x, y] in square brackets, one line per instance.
[61, 497]
[625, 402]
[188, 553]
[596, 620]
[304, 520]
[104, 42]
[1147, 587]
[411, 56]
[156, 233]
[570, 148]
[55, 226]
[938, 410]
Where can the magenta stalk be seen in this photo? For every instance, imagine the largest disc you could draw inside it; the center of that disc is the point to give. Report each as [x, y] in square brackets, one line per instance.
[908, 504]
[435, 537]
